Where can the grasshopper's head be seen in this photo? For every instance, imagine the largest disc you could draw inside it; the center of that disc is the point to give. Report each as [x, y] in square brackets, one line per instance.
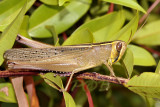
[118, 49]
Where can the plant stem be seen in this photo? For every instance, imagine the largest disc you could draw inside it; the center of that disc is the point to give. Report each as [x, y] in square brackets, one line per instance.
[149, 11]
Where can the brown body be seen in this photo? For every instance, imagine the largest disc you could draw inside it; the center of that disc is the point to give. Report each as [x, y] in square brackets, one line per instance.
[65, 58]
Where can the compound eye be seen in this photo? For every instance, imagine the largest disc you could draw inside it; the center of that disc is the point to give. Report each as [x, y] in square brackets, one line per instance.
[119, 46]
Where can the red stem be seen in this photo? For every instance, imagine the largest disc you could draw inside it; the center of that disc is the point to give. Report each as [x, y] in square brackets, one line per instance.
[111, 8]
[64, 36]
[90, 101]
[151, 50]
[37, 4]
[30, 86]
[7, 73]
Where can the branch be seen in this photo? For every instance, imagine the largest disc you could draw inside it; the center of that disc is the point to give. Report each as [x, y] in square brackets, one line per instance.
[90, 101]
[149, 10]
[100, 77]
[8, 73]
[86, 75]
[151, 50]
[111, 8]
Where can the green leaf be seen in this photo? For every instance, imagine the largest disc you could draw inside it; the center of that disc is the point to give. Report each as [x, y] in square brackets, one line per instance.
[9, 9]
[128, 3]
[61, 18]
[146, 85]
[50, 2]
[61, 2]
[83, 36]
[24, 27]
[120, 70]
[127, 61]
[100, 9]
[158, 68]
[150, 102]
[127, 31]
[54, 34]
[141, 56]
[50, 92]
[144, 4]
[10, 33]
[53, 81]
[103, 27]
[149, 35]
[125, 34]
[7, 93]
[129, 15]
[80, 98]
[68, 100]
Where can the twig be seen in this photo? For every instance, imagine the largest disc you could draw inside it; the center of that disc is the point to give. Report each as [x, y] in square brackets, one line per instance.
[100, 77]
[148, 11]
[111, 8]
[90, 101]
[64, 36]
[30, 86]
[37, 4]
[86, 75]
[151, 50]
[16, 74]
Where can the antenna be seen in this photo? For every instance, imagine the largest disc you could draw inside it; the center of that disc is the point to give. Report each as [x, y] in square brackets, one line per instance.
[136, 31]
[130, 38]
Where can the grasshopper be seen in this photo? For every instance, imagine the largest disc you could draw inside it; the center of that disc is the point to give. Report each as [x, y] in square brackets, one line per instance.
[66, 59]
